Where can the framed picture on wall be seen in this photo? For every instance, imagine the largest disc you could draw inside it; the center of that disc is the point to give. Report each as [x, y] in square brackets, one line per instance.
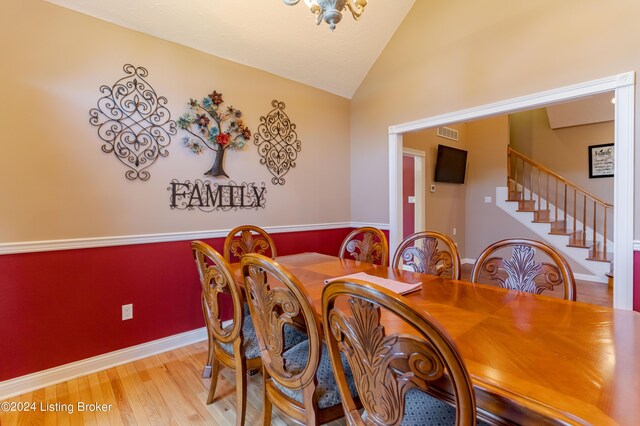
[601, 160]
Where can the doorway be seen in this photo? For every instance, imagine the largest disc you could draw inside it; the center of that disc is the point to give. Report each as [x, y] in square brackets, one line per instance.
[413, 181]
[623, 85]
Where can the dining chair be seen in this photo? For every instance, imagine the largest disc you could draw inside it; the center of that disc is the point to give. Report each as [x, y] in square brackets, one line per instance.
[226, 344]
[248, 239]
[235, 346]
[299, 382]
[366, 244]
[429, 252]
[532, 267]
[394, 373]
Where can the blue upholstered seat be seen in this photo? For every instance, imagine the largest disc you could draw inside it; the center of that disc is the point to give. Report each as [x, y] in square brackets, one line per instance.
[421, 409]
[296, 359]
[292, 337]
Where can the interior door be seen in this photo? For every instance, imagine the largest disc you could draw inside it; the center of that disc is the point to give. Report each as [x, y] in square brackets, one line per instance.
[408, 195]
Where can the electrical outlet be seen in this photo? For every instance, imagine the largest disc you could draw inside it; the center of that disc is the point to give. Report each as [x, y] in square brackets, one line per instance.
[455, 231]
[127, 312]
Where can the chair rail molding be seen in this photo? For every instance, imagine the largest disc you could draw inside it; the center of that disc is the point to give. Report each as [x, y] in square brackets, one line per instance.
[83, 243]
[624, 87]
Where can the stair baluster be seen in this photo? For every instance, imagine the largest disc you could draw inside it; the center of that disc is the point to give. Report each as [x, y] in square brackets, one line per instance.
[521, 173]
[575, 210]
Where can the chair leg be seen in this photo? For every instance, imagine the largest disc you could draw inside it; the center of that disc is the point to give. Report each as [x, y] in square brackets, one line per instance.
[215, 369]
[206, 371]
[241, 393]
[266, 402]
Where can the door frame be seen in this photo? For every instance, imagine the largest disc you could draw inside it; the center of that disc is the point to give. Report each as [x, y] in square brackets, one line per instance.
[420, 179]
[624, 178]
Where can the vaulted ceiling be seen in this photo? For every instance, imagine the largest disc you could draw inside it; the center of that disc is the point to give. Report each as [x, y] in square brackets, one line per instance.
[264, 34]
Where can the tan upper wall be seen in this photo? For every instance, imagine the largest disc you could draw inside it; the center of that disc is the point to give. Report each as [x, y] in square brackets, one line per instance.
[444, 208]
[565, 151]
[58, 184]
[452, 54]
[485, 222]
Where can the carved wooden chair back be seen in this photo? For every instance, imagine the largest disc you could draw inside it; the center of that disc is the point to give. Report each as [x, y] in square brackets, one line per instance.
[533, 267]
[429, 252]
[251, 239]
[276, 298]
[227, 345]
[366, 244]
[216, 278]
[386, 367]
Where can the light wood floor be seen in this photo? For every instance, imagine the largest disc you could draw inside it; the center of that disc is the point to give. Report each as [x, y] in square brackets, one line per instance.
[166, 389]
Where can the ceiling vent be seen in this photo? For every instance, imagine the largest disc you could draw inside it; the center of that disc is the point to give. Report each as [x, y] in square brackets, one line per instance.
[447, 133]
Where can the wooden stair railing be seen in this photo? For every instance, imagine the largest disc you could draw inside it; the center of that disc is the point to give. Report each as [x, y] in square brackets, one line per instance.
[527, 176]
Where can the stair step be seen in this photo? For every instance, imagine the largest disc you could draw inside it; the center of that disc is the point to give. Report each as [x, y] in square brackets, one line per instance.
[576, 241]
[542, 216]
[526, 206]
[598, 254]
[561, 232]
[515, 195]
[559, 227]
[601, 257]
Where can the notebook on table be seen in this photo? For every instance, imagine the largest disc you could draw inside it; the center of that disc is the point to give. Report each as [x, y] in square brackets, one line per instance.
[393, 285]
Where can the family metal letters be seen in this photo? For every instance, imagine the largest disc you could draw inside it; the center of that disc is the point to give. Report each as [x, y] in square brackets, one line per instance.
[208, 196]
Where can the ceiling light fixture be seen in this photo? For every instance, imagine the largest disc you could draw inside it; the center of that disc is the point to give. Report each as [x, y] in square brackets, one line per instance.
[330, 10]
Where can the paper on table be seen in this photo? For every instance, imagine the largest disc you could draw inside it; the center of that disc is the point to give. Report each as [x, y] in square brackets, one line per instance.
[395, 286]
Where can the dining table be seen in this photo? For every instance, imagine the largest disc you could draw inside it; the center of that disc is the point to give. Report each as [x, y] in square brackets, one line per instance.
[532, 359]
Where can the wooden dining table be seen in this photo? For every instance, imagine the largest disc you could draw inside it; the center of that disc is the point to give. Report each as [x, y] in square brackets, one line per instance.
[532, 359]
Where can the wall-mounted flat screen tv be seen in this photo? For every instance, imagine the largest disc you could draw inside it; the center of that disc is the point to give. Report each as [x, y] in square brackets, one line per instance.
[451, 164]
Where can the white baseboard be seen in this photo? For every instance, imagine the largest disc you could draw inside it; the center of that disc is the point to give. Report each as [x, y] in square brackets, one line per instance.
[466, 261]
[41, 379]
[592, 278]
[636, 245]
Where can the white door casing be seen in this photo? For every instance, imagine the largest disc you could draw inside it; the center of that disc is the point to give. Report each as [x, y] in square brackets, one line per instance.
[624, 87]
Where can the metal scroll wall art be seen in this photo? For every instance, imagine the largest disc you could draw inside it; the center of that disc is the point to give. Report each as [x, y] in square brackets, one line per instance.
[211, 126]
[277, 142]
[133, 122]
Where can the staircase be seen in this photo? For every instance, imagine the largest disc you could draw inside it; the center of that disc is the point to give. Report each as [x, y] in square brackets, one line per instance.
[572, 220]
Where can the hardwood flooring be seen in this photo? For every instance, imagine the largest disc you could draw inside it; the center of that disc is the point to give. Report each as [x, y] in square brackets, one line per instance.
[165, 389]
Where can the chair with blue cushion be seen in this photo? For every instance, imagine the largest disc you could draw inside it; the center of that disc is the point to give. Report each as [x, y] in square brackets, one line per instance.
[394, 374]
[429, 252]
[525, 265]
[234, 345]
[248, 239]
[299, 382]
[366, 244]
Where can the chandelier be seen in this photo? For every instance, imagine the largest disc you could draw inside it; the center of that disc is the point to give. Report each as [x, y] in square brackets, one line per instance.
[330, 10]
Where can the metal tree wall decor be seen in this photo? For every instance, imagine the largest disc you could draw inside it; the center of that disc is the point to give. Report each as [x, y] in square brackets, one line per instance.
[133, 122]
[214, 127]
[277, 142]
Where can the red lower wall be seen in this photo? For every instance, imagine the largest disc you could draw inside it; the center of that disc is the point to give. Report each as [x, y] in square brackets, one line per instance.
[64, 306]
[636, 281]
